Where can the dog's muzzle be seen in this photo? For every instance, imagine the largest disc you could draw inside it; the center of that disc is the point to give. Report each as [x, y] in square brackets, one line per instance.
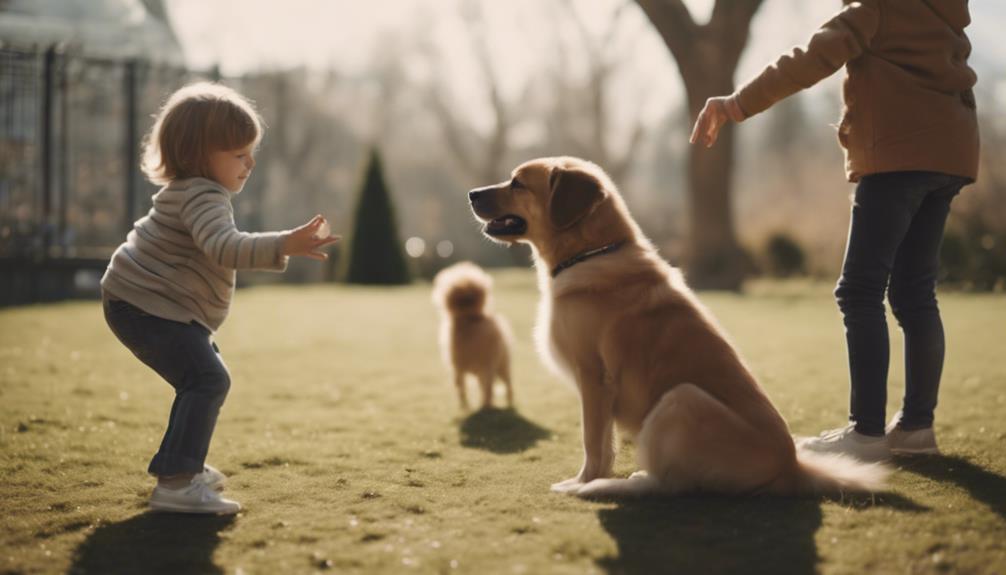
[484, 207]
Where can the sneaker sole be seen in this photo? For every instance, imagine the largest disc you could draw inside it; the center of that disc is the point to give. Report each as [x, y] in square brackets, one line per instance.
[172, 508]
[218, 486]
[922, 451]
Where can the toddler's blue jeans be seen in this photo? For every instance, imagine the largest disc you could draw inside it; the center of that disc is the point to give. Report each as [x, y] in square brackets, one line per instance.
[185, 356]
[893, 247]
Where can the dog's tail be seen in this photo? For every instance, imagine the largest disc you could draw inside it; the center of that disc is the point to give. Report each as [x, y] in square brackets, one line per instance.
[462, 288]
[638, 485]
[822, 473]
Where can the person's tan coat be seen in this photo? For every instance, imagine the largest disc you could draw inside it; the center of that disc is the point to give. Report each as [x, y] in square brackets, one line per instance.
[908, 94]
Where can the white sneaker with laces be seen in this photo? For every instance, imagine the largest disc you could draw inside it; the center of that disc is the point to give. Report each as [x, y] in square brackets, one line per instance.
[847, 441]
[910, 442]
[210, 477]
[194, 498]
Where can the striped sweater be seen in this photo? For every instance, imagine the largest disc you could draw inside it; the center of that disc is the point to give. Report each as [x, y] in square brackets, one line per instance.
[179, 262]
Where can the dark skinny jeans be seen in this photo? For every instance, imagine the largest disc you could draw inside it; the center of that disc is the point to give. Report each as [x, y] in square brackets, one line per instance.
[893, 247]
[185, 356]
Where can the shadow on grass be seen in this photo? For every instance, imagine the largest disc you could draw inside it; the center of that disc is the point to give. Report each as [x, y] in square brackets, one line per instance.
[888, 500]
[983, 485]
[717, 534]
[500, 431]
[152, 543]
[709, 534]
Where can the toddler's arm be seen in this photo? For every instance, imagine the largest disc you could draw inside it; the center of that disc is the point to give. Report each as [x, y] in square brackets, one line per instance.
[209, 217]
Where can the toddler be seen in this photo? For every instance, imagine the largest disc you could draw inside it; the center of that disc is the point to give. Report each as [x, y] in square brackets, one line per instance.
[169, 286]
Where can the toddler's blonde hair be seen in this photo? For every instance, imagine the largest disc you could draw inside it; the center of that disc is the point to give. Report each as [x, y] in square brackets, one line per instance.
[197, 120]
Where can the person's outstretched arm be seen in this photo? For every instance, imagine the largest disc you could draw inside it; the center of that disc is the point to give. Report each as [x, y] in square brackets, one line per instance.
[843, 38]
[208, 215]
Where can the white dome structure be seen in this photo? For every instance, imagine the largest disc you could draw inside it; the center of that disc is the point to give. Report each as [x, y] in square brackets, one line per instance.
[114, 29]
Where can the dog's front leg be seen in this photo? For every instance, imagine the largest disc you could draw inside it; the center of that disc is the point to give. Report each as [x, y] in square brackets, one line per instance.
[598, 441]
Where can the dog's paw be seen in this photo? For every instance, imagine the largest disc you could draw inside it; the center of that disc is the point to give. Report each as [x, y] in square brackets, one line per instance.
[595, 489]
[571, 486]
[637, 485]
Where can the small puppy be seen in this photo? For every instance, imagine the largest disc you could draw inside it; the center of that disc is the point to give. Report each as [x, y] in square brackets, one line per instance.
[473, 340]
[645, 355]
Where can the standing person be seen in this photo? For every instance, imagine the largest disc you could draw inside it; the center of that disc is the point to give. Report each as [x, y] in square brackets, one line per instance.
[169, 286]
[910, 134]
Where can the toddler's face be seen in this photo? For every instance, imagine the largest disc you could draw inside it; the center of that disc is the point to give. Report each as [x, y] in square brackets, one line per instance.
[231, 168]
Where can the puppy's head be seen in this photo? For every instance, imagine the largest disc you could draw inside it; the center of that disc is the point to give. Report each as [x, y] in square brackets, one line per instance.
[543, 200]
[462, 289]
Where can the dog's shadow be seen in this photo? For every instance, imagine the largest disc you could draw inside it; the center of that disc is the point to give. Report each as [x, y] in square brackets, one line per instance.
[153, 543]
[719, 534]
[981, 484]
[500, 431]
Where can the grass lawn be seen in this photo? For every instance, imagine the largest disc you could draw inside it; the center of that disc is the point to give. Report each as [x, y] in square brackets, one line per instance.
[343, 440]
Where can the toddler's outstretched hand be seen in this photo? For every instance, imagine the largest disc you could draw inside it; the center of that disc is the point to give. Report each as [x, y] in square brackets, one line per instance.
[716, 113]
[304, 241]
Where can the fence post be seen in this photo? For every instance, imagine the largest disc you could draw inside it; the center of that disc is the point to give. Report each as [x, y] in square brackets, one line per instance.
[131, 143]
[64, 182]
[48, 146]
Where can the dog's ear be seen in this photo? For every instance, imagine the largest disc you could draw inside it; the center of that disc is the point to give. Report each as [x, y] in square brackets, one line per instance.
[575, 193]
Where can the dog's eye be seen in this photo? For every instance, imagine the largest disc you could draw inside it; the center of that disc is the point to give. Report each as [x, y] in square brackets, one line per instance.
[516, 184]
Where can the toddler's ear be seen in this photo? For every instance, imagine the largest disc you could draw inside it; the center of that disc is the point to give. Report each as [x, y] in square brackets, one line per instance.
[575, 193]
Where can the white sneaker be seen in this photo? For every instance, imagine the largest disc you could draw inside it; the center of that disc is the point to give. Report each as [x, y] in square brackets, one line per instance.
[914, 442]
[847, 441]
[194, 498]
[210, 477]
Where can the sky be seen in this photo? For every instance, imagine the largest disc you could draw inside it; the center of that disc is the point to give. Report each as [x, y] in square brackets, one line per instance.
[248, 35]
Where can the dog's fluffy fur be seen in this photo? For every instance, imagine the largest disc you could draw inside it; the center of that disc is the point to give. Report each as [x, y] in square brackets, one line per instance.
[644, 353]
[473, 339]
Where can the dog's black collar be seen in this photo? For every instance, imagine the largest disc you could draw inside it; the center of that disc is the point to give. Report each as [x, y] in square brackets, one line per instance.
[586, 256]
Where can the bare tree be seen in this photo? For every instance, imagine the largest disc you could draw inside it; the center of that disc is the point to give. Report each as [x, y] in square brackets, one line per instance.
[481, 160]
[707, 57]
[595, 142]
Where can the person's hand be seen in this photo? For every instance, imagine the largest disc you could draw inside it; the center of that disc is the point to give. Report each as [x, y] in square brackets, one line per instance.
[716, 113]
[303, 241]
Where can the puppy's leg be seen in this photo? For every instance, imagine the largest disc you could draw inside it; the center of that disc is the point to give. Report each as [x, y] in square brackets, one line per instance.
[459, 383]
[691, 440]
[598, 437]
[504, 374]
[486, 385]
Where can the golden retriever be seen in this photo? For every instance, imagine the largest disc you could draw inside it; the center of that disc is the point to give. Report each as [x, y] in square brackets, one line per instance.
[644, 353]
[473, 340]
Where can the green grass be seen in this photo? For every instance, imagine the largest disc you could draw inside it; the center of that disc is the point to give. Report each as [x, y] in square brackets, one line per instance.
[342, 439]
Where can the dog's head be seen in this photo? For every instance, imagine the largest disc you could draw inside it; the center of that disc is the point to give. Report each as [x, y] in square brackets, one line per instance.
[541, 198]
[462, 289]
[546, 200]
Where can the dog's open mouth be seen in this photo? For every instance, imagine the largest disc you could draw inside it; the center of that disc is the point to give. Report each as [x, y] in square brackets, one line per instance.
[509, 225]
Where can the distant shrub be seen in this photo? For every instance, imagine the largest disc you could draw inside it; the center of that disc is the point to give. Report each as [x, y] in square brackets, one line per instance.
[973, 258]
[784, 257]
[375, 249]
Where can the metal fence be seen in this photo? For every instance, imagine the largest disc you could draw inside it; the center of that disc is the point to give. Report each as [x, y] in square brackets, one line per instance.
[69, 141]
[71, 128]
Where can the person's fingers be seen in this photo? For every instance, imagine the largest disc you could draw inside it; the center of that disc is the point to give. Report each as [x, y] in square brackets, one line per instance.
[711, 130]
[320, 256]
[699, 126]
[327, 241]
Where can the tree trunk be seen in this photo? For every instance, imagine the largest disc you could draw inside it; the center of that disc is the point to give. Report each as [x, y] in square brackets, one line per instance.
[714, 258]
[707, 59]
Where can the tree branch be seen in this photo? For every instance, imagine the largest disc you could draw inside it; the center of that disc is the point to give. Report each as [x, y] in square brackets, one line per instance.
[675, 24]
[730, 26]
[452, 133]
